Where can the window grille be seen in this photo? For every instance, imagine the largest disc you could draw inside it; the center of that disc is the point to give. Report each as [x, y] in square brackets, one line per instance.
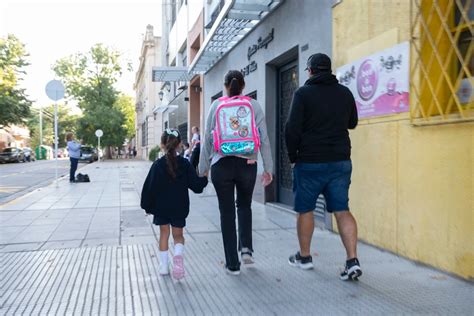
[442, 62]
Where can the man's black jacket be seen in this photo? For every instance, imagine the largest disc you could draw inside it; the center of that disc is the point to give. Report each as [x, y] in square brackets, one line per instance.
[321, 113]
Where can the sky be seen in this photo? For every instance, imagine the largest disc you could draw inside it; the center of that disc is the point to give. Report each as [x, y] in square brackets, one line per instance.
[55, 29]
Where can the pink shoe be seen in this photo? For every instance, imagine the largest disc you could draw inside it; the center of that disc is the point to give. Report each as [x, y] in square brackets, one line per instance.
[178, 267]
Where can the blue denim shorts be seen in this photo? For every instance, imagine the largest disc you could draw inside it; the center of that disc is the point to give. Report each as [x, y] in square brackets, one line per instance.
[332, 179]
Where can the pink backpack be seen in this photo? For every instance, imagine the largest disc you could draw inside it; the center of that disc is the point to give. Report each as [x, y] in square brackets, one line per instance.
[236, 132]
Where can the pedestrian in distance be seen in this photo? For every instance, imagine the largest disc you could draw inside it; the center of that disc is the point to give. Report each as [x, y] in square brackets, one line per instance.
[231, 154]
[319, 148]
[165, 196]
[134, 152]
[74, 149]
[186, 151]
[195, 146]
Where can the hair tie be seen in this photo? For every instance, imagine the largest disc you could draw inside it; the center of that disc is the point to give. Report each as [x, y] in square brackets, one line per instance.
[171, 132]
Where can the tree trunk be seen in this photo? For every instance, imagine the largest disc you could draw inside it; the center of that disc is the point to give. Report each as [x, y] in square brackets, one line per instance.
[109, 152]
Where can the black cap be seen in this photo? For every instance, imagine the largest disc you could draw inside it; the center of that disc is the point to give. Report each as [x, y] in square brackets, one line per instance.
[319, 61]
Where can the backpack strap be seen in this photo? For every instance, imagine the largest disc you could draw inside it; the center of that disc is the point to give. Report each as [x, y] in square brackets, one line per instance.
[241, 97]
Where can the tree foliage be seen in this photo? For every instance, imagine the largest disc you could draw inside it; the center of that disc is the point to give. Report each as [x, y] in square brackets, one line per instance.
[67, 122]
[14, 103]
[89, 78]
[126, 105]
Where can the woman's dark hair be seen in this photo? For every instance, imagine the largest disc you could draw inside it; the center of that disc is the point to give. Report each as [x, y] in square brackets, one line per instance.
[170, 140]
[234, 80]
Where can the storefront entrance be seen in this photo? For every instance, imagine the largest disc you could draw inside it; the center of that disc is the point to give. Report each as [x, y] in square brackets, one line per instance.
[287, 84]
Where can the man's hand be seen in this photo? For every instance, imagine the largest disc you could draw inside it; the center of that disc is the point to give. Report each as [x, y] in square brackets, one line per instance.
[267, 178]
[292, 165]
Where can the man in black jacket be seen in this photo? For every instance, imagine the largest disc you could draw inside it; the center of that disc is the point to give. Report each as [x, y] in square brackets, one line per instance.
[319, 148]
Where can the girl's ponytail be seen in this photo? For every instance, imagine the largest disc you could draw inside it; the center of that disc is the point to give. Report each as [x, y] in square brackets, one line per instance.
[170, 140]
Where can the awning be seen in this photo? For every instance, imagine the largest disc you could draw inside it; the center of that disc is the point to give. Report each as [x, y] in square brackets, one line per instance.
[171, 74]
[236, 19]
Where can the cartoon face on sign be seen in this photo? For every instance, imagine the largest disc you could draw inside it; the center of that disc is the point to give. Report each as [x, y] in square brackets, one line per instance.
[391, 86]
[242, 112]
[367, 80]
[234, 122]
[244, 131]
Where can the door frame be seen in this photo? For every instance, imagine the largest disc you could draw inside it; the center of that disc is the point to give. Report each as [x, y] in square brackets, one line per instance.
[279, 135]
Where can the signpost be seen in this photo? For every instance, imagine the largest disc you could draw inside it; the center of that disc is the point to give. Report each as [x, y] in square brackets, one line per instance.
[55, 91]
[99, 133]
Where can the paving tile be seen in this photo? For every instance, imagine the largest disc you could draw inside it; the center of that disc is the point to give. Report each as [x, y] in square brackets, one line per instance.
[100, 242]
[73, 273]
[21, 247]
[143, 239]
[68, 235]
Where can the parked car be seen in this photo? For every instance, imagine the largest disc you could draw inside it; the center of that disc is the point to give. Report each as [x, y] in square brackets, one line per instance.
[88, 154]
[29, 154]
[12, 154]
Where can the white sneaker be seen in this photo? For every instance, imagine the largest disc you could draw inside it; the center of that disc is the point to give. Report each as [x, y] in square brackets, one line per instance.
[178, 267]
[164, 269]
[232, 271]
[246, 256]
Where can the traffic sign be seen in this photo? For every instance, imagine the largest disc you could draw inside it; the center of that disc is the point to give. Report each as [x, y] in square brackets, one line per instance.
[55, 90]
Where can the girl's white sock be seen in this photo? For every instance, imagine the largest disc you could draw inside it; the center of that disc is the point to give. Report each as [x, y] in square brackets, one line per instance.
[178, 249]
[164, 257]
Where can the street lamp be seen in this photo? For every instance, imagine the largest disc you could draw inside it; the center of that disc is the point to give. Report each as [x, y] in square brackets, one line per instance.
[161, 94]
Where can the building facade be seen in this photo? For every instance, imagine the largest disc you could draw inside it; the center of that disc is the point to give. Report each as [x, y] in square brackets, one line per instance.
[272, 57]
[181, 92]
[412, 188]
[148, 122]
[410, 66]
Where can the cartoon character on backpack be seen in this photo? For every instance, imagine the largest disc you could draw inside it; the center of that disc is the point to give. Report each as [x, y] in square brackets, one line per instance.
[236, 132]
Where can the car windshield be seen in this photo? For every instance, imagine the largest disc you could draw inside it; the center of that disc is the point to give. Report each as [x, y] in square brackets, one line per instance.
[9, 150]
[86, 150]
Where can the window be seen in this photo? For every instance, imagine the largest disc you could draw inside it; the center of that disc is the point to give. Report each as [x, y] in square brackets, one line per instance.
[183, 131]
[144, 134]
[253, 95]
[173, 12]
[442, 63]
[215, 14]
[215, 97]
[184, 57]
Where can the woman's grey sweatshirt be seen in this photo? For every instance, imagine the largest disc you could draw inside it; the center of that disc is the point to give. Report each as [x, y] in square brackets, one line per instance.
[209, 156]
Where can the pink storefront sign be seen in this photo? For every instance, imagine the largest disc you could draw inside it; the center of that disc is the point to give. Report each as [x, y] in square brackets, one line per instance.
[379, 82]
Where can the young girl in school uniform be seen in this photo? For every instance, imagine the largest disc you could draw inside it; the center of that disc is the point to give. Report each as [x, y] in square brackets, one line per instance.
[165, 195]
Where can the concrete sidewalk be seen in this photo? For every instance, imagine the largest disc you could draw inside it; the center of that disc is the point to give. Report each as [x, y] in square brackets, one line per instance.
[88, 248]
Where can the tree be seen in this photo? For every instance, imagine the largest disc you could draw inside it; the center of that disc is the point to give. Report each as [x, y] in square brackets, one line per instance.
[126, 105]
[89, 78]
[14, 103]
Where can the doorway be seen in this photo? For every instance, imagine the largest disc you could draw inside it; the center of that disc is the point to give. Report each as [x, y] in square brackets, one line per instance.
[287, 84]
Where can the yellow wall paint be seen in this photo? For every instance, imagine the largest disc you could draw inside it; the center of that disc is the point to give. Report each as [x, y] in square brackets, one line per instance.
[412, 189]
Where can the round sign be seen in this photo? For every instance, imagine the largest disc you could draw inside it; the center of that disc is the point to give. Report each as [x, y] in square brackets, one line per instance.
[55, 90]
[99, 133]
[367, 80]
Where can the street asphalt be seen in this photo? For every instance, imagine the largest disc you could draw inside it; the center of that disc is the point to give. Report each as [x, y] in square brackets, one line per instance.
[17, 179]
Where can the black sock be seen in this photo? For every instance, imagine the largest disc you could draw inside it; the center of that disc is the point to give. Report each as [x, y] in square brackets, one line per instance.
[352, 261]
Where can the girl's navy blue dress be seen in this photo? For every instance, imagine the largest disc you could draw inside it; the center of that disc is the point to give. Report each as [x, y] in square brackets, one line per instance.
[166, 197]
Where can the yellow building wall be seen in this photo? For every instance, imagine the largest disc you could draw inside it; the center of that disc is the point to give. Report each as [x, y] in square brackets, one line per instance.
[412, 189]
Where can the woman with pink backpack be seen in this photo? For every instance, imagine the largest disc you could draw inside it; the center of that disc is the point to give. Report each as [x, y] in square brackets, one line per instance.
[235, 132]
